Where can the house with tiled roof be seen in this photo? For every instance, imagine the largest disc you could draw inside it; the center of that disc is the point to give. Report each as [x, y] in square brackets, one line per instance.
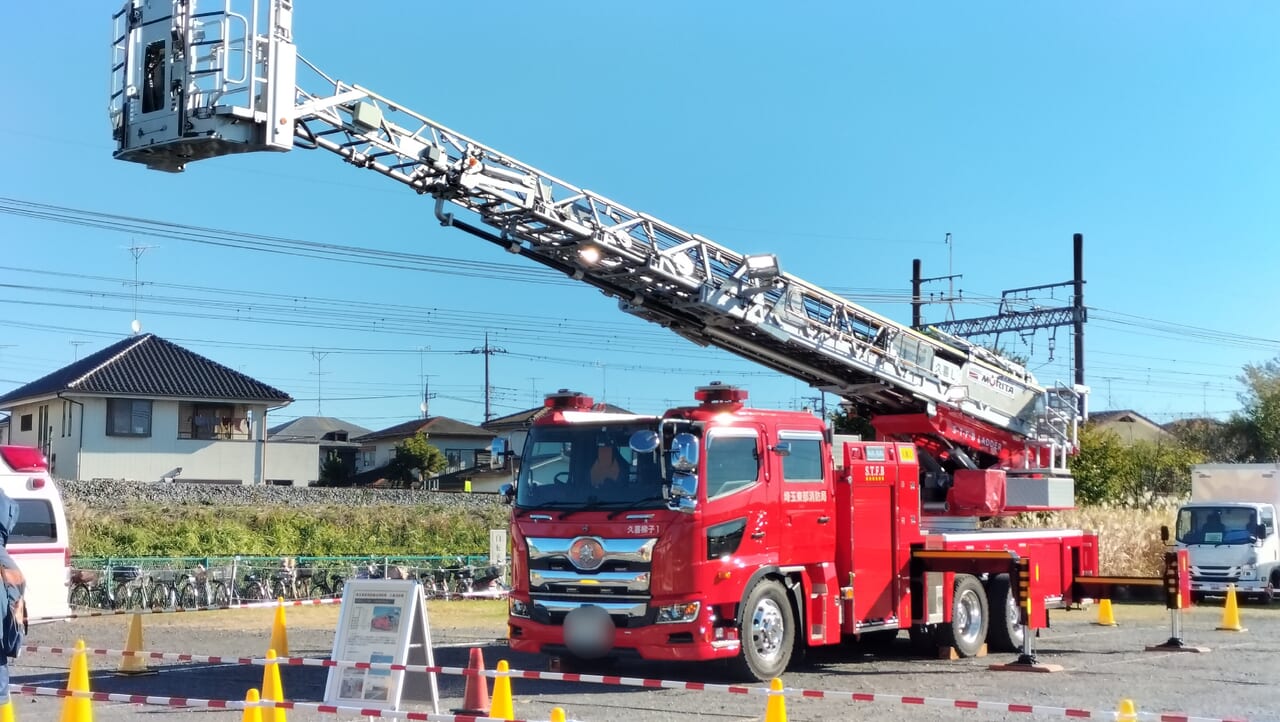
[147, 409]
[333, 438]
[1129, 425]
[463, 445]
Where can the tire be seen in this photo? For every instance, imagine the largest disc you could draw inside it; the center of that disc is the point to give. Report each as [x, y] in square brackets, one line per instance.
[163, 596]
[218, 594]
[80, 597]
[967, 631]
[767, 630]
[319, 590]
[187, 597]
[1005, 631]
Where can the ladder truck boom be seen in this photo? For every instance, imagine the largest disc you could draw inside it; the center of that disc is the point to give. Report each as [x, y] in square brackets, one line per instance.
[195, 79]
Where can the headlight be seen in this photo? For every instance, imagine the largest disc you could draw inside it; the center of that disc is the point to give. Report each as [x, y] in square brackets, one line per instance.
[675, 613]
[518, 608]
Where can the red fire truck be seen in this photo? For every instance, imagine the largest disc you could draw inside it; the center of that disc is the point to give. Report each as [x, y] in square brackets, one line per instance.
[713, 531]
[720, 531]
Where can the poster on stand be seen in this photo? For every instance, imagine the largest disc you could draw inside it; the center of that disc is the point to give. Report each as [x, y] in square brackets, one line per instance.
[381, 621]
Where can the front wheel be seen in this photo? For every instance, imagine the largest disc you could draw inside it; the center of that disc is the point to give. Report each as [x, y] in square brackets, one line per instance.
[1006, 631]
[969, 617]
[767, 632]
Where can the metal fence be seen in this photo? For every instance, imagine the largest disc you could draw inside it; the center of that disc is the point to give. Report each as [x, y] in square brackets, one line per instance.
[195, 582]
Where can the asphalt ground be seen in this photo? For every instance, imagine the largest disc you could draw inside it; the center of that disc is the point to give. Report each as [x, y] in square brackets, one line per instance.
[1239, 677]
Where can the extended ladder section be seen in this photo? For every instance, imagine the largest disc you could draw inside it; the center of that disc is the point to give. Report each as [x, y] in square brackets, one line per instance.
[197, 82]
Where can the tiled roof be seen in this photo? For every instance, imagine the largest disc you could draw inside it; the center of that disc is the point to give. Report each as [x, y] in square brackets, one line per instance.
[432, 426]
[314, 428]
[148, 365]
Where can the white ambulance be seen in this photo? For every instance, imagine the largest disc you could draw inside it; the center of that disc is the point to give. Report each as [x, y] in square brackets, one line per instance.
[40, 541]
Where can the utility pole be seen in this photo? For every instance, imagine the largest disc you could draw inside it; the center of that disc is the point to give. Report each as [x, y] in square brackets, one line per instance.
[488, 351]
[423, 380]
[917, 299]
[533, 388]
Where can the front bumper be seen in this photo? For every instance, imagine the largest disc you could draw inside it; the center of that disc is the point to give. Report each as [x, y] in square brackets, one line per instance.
[686, 641]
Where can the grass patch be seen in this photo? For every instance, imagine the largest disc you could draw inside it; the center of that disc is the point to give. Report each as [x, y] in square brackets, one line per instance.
[426, 530]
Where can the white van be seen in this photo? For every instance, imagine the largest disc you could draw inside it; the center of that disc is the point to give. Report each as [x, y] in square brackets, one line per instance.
[40, 541]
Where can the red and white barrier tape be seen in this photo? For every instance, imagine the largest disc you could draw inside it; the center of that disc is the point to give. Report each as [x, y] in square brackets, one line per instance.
[1044, 710]
[244, 605]
[193, 702]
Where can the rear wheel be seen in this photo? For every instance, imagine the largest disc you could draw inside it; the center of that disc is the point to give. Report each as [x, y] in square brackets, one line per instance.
[767, 632]
[969, 617]
[1006, 631]
[80, 597]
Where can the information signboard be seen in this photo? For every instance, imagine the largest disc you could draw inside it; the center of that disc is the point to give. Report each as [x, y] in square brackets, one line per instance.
[381, 621]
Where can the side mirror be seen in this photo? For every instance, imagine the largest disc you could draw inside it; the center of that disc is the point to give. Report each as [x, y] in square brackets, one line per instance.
[1164, 533]
[684, 492]
[644, 441]
[684, 453]
[1260, 531]
[507, 492]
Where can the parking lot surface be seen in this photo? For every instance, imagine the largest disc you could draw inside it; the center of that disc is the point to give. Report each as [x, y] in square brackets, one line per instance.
[1236, 678]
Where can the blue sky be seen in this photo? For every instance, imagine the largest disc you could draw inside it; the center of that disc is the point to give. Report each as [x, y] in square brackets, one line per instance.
[848, 138]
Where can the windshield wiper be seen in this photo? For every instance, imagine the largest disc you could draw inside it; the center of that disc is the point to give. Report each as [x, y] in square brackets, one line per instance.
[620, 504]
[635, 504]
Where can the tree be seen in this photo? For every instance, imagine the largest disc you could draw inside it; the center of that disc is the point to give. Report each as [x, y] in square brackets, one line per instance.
[333, 472]
[1259, 421]
[1140, 474]
[415, 459]
[846, 421]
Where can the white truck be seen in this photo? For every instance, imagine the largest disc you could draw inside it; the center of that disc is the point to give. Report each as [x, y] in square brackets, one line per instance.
[1229, 530]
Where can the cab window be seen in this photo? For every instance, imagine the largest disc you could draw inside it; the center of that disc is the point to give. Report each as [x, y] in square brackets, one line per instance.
[733, 461]
[804, 462]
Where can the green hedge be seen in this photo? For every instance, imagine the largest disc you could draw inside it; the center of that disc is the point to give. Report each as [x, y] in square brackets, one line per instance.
[304, 531]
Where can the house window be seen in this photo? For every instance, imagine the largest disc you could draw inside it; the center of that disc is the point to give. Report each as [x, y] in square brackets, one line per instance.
[219, 422]
[128, 417]
[24, 423]
[460, 458]
[367, 454]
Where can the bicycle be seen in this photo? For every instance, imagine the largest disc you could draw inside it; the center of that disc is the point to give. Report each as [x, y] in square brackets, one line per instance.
[198, 591]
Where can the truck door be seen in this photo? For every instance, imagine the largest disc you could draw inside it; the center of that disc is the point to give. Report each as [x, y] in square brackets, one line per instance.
[807, 520]
[738, 516]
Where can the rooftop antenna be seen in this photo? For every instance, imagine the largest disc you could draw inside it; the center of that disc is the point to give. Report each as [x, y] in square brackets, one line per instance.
[136, 251]
[76, 345]
[318, 356]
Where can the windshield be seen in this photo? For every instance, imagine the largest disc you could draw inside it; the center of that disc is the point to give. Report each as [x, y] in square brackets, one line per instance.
[589, 465]
[1216, 525]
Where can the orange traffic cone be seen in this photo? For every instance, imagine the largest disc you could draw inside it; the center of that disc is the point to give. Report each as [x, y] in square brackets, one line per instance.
[78, 709]
[279, 635]
[251, 714]
[557, 714]
[502, 707]
[1231, 613]
[133, 664]
[1127, 712]
[475, 701]
[6, 711]
[776, 709]
[1106, 618]
[272, 689]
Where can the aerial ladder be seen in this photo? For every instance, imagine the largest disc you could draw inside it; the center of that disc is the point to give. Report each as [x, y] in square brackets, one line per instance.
[196, 79]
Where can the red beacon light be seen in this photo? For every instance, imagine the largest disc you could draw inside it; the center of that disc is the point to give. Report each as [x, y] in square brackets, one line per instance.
[24, 458]
[718, 393]
[566, 400]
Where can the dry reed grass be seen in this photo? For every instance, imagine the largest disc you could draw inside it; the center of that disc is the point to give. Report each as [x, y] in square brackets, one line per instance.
[1128, 539]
